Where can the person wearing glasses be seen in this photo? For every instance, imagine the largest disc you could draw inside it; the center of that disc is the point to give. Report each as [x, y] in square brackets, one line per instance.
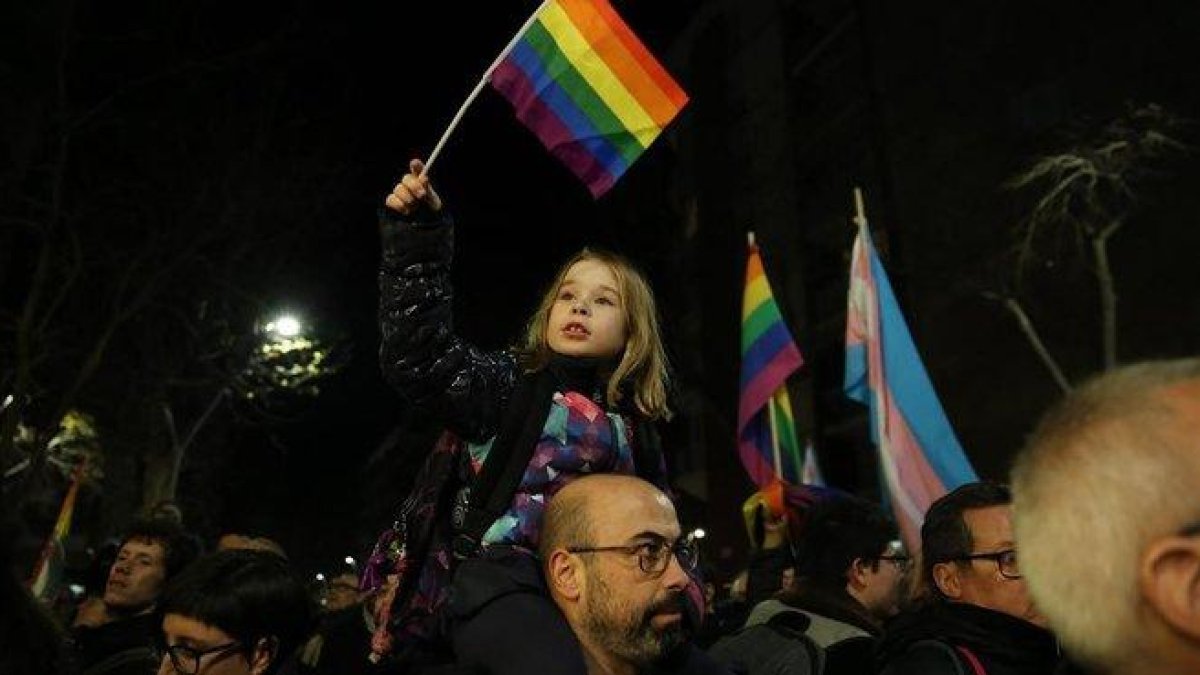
[617, 566]
[850, 574]
[1107, 510]
[234, 612]
[972, 612]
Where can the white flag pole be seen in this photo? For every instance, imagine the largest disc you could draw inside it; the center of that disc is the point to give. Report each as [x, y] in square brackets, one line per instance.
[487, 75]
[860, 213]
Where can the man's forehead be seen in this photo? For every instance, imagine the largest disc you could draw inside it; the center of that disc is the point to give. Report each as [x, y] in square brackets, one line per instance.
[640, 513]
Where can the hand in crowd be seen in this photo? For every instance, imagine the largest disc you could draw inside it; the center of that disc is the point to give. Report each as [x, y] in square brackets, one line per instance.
[413, 190]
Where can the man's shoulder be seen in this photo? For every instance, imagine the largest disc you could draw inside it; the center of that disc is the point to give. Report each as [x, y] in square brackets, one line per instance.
[926, 657]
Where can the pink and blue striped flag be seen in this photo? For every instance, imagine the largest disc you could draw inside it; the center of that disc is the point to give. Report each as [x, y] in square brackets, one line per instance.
[588, 88]
[766, 426]
[919, 455]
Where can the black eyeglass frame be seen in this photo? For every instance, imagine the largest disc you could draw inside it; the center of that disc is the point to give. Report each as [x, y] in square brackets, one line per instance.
[998, 558]
[197, 654]
[902, 562]
[684, 550]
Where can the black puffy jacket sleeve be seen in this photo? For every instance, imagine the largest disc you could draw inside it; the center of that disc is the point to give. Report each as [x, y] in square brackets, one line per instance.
[431, 367]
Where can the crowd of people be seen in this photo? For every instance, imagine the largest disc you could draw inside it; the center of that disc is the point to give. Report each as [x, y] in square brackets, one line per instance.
[561, 550]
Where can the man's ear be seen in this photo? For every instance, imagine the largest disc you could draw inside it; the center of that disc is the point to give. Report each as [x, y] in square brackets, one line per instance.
[857, 575]
[264, 653]
[1169, 579]
[947, 578]
[564, 574]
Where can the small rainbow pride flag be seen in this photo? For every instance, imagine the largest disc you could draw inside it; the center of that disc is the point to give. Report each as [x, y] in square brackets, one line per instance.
[47, 574]
[580, 79]
[766, 427]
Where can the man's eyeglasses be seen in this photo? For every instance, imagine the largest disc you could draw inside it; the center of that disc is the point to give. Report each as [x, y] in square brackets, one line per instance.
[653, 556]
[902, 562]
[186, 660]
[1005, 560]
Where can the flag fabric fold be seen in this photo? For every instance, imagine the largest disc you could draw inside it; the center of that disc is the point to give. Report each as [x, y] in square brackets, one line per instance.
[47, 575]
[585, 85]
[766, 426]
[920, 457]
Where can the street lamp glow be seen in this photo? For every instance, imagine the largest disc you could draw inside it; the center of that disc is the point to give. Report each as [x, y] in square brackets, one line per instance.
[350, 560]
[699, 533]
[320, 577]
[286, 325]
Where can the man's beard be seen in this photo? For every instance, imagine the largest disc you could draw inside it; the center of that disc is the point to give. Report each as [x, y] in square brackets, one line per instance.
[628, 632]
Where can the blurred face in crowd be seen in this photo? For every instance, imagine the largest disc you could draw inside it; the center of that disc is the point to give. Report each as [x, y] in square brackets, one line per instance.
[196, 648]
[588, 315]
[136, 578]
[881, 581]
[342, 592]
[991, 582]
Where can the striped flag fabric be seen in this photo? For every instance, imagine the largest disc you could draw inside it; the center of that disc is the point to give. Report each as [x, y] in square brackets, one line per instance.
[581, 80]
[48, 572]
[919, 455]
[766, 426]
[811, 474]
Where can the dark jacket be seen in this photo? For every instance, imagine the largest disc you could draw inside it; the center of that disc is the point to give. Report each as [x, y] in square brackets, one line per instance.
[915, 643]
[124, 647]
[465, 388]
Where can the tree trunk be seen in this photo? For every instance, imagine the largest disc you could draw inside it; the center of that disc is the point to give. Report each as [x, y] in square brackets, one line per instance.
[1108, 295]
[1035, 340]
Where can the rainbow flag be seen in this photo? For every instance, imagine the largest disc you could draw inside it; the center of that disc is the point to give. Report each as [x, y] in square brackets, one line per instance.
[919, 455]
[48, 573]
[588, 88]
[766, 427]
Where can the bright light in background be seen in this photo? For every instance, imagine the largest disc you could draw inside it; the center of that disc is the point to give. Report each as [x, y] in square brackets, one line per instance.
[350, 560]
[320, 577]
[286, 326]
[7, 401]
[699, 533]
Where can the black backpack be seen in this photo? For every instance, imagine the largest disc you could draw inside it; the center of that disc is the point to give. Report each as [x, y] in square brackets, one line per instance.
[780, 646]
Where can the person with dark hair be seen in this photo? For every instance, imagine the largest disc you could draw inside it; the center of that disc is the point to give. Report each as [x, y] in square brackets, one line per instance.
[121, 640]
[850, 569]
[235, 612]
[972, 612]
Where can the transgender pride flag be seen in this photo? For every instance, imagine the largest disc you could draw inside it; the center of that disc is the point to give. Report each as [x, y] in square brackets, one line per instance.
[766, 426]
[919, 455]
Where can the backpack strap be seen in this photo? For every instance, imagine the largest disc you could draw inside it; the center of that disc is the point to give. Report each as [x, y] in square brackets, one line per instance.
[492, 491]
[976, 665]
[951, 652]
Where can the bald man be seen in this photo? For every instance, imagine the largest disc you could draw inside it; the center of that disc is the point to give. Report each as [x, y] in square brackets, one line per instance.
[616, 565]
[1107, 516]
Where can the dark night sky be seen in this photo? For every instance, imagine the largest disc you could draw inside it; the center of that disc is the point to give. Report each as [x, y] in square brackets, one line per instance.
[368, 85]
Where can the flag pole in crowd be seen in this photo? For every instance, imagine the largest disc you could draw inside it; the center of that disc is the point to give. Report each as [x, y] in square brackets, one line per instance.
[766, 427]
[580, 79]
[47, 573]
[920, 457]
